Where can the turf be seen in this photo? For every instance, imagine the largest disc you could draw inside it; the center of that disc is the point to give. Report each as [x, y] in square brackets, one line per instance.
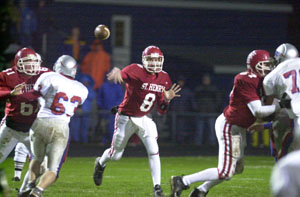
[131, 177]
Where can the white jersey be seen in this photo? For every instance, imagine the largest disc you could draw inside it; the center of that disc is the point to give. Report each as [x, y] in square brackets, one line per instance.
[61, 95]
[285, 177]
[285, 78]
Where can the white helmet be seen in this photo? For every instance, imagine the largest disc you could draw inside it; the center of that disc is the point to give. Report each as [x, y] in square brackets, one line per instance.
[66, 65]
[284, 52]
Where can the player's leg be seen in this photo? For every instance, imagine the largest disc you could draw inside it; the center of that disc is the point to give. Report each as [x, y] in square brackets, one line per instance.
[20, 157]
[148, 134]
[38, 148]
[123, 130]
[7, 142]
[211, 174]
[56, 148]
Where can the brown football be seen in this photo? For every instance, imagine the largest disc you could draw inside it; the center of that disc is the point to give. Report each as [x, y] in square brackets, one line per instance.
[102, 32]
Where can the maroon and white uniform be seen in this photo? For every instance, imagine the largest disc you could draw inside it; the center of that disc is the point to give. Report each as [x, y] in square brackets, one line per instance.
[243, 109]
[143, 92]
[247, 87]
[19, 111]
[236, 118]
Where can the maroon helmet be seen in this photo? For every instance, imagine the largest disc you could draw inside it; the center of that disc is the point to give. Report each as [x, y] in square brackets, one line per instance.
[28, 61]
[153, 59]
[260, 62]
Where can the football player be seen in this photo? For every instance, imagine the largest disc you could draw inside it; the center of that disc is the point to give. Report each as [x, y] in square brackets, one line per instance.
[19, 112]
[282, 83]
[281, 126]
[146, 85]
[49, 134]
[243, 109]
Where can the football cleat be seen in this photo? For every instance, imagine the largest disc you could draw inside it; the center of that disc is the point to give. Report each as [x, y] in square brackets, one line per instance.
[98, 172]
[177, 186]
[198, 193]
[36, 192]
[16, 179]
[27, 190]
[158, 192]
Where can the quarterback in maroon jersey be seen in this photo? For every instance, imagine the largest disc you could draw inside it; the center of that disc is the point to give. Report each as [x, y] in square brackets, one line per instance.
[19, 112]
[146, 85]
[244, 107]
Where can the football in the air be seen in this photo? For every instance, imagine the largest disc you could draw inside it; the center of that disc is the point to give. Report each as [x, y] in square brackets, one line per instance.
[102, 32]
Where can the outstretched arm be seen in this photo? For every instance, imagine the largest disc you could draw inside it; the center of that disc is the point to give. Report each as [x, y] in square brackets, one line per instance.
[115, 75]
[172, 92]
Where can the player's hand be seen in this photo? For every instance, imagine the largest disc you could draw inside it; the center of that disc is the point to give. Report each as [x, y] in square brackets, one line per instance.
[172, 92]
[18, 89]
[115, 75]
[256, 127]
[285, 103]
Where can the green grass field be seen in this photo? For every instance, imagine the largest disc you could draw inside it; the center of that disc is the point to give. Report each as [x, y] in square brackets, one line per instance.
[131, 177]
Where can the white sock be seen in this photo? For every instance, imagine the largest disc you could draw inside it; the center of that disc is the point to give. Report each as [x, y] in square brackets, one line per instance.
[154, 163]
[18, 173]
[104, 158]
[205, 175]
[208, 184]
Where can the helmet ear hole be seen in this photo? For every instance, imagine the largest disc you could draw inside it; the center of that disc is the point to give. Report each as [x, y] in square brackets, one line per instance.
[285, 51]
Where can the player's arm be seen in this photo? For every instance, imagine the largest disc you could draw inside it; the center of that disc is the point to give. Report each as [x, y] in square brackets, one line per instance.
[115, 75]
[260, 111]
[259, 126]
[4, 92]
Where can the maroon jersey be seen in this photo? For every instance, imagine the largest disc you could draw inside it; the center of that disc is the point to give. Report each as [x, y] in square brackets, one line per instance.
[20, 113]
[247, 87]
[143, 90]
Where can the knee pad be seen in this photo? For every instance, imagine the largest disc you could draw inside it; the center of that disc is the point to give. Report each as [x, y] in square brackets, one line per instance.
[236, 146]
[116, 155]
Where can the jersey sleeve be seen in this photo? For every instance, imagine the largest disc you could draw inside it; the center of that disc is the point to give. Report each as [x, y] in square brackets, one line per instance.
[43, 84]
[269, 83]
[4, 92]
[4, 89]
[127, 73]
[247, 90]
[2, 79]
